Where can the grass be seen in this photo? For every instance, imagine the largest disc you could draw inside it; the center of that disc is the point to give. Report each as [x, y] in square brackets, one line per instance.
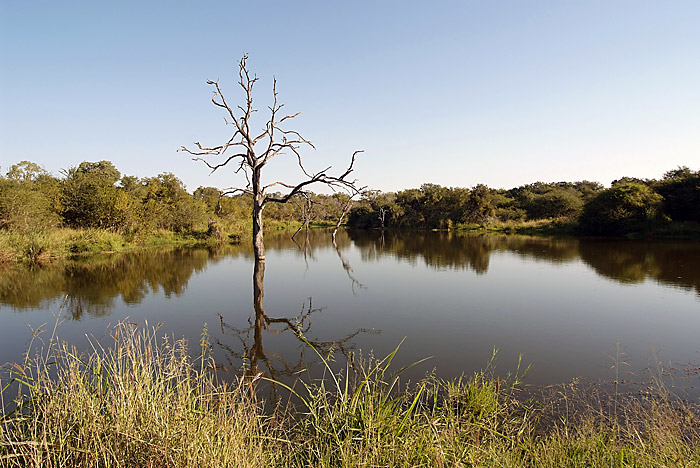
[40, 246]
[143, 401]
[44, 245]
[570, 227]
[541, 227]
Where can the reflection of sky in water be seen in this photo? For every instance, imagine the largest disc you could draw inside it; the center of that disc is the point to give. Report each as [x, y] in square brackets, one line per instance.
[552, 301]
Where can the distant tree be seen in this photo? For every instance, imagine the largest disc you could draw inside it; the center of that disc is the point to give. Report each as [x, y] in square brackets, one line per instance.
[88, 194]
[411, 203]
[211, 197]
[630, 180]
[435, 205]
[24, 207]
[480, 207]
[506, 207]
[681, 191]
[554, 203]
[621, 209]
[587, 189]
[362, 217]
[169, 206]
[682, 172]
[383, 206]
[25, 171]
[253, 151]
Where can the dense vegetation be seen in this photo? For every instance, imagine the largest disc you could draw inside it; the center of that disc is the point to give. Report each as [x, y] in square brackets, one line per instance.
[96, 195]
[94, 203]
[108, 210]
[628, 206]
[141, 401]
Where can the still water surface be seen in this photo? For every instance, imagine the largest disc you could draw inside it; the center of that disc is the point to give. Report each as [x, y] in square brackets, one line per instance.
[562, 304]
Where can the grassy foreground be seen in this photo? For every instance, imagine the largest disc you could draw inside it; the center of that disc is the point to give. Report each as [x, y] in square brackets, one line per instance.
[144, 402]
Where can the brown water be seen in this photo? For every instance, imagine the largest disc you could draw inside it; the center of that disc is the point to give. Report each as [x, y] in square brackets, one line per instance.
[562, 304]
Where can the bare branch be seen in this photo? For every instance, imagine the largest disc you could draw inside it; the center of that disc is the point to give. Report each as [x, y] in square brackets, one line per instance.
[274, 140]
[217, 166]
[234, 190]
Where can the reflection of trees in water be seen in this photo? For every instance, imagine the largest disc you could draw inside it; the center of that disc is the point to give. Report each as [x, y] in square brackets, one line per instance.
[459, 250]
[92, 285]
[626, 261]
[436, 249]
[29, 287]
[254, 354]
[346, 266]
[546, 249]
[670, 263]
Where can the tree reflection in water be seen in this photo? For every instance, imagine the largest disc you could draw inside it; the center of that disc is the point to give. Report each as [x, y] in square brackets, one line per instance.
[254, 353]
[92, 285]
[626, 261]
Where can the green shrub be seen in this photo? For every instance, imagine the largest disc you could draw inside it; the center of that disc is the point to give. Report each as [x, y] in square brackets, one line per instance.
[622, 209]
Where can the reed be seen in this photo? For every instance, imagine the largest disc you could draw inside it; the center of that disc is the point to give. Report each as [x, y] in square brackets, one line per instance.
[142, 401]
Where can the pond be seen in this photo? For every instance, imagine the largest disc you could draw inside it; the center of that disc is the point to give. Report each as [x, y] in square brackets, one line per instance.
[567, 306]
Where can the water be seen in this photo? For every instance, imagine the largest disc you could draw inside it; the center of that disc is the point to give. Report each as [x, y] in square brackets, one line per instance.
[561, 304]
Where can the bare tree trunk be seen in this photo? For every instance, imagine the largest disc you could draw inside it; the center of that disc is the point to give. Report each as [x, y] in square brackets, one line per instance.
[258, 242]
[258, 205]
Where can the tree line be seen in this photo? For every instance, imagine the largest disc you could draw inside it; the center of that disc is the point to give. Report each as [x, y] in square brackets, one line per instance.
[630, 205]
[97, 195]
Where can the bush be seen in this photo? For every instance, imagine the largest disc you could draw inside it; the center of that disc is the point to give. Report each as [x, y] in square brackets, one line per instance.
[621, 210]
[24, 209]
[681, 192]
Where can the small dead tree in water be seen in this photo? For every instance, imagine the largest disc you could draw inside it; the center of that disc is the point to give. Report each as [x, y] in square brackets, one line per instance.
[253, 151]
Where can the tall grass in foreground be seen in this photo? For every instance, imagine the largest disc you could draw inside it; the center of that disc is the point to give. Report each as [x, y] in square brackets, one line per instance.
[144, 402]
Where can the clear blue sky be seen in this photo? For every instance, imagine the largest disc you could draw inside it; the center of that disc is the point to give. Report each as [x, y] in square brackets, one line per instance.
[454, 93]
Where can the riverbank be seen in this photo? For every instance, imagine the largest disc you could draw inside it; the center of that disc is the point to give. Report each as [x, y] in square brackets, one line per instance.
[564, 227]
[142, 401]
[42, 246]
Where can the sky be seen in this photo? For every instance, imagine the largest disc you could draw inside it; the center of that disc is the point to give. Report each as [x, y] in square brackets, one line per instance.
[502, 93]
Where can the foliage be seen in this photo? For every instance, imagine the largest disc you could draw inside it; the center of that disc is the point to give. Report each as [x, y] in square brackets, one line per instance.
[681, 191]
[94, 195]
[89, 197]
[25, 171]
[622, 209]
[480, 207]
[25, 207]
[554, 203]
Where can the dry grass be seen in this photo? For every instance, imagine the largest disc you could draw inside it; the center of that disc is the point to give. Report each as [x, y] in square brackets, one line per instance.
[140, 403]
[144, 402]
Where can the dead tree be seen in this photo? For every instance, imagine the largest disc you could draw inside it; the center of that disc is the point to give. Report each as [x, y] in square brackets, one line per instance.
[249, 152]
[306, 212]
